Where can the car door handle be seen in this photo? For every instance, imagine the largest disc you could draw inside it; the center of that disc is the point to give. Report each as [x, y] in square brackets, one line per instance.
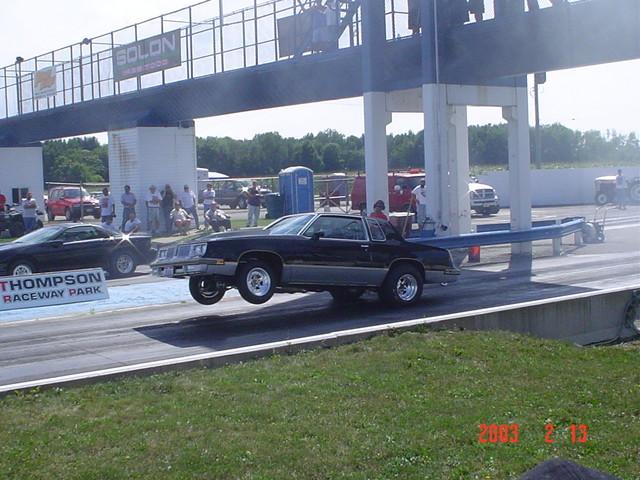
[364, 247]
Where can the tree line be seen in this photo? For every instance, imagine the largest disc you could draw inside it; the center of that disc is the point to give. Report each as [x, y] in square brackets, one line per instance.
[266, 154]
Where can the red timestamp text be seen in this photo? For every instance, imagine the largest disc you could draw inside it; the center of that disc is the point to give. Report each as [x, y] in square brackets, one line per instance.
[494, 433]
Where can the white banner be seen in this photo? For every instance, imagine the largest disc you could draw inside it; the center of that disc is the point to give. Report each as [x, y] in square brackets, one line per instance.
[45, 83]
[55, 288]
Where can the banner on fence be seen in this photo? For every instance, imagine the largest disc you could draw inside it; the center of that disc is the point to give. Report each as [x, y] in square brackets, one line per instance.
[56, 288]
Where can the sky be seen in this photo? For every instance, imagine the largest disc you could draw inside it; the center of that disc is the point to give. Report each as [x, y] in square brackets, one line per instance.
[604, 97]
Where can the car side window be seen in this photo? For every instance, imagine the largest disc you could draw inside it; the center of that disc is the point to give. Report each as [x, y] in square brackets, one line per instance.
[77, 234]
[377, 234]
[339, 228]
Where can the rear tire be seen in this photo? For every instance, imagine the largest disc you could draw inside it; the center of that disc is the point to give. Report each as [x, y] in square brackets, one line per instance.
[207, 290]
[123, 263]
[346, 295]
[21, 267]
[402, 287]
[242, 203]
[256, 282]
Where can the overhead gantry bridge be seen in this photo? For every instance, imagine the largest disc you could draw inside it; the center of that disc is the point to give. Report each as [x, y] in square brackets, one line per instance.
[271, 55]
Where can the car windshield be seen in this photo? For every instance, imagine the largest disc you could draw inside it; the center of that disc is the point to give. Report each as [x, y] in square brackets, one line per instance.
[39, 236]
[289, 225]
[75, 193]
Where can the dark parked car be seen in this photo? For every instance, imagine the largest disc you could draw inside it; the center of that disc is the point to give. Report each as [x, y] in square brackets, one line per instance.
[234, 193]
[73, 246]
[342, 254]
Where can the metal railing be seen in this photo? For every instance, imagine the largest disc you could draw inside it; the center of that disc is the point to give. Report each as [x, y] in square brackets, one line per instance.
[213, 40]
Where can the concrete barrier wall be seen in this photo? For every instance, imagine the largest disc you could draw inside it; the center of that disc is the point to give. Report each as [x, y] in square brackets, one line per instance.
[553, 187]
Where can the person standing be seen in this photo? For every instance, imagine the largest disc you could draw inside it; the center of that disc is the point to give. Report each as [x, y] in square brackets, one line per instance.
[153, 201]
[476, 7]
[128, 201]
[253, 202]
[190, 204]
[107, 207]
[208, 197]
[414, 20]
[420, 198]
[621, 191]
[168, 199]
[29, 207]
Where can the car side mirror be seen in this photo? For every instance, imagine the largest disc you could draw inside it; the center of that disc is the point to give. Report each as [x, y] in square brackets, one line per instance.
[317, 236]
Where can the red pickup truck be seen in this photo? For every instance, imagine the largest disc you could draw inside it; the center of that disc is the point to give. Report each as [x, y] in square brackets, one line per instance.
[401, 184]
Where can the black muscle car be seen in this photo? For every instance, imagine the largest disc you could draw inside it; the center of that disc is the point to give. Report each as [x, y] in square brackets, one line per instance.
[343, 254]
[74, 246]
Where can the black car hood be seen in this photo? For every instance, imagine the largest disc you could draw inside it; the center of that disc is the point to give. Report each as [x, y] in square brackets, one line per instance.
[244, 233]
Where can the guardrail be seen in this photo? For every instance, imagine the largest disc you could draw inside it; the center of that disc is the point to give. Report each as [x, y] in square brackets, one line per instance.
[568, 226]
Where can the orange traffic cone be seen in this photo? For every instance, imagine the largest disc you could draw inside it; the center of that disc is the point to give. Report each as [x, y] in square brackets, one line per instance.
[474, 254]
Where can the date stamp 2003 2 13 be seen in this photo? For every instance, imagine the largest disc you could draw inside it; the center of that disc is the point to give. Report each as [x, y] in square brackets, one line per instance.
[511, 433]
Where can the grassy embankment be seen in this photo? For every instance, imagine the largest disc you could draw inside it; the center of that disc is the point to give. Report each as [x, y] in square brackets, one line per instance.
[405, 406]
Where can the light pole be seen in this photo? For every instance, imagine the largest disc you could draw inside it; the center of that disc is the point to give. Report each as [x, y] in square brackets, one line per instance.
[538, 79]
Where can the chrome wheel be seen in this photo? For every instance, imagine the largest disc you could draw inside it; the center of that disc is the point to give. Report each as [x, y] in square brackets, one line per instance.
[124, 264]
[258, 281]
[407, 287]
[22, 269]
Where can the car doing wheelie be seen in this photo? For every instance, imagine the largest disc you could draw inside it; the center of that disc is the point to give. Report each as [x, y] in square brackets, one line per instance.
[345, 255]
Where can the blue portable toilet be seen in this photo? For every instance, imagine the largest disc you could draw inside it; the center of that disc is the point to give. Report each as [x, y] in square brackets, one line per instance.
[296, 190]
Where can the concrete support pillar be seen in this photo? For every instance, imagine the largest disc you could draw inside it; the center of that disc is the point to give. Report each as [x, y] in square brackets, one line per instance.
[519, 167]
[458, 216]
[376, 119]
[146, 156]
[446, 145]
[22, 171]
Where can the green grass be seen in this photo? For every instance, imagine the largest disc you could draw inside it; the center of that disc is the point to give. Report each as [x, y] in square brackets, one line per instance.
[237, 223]
[6, 240]
[405, 406]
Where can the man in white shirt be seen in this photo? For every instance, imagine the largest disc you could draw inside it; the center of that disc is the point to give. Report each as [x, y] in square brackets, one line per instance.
[208, 197]
[107, 208]
[29, 207]
[132, 225]
[153, 201]
[420, 198]
[107, 224]
[189, 203]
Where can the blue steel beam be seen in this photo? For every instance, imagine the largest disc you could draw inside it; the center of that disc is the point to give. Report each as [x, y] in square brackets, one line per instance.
[504, 237]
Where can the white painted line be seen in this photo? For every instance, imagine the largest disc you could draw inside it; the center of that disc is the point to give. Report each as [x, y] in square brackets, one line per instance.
[294, 342]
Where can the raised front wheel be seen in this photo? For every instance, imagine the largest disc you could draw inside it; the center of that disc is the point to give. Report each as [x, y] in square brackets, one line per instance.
[207, 290]
[256, 282]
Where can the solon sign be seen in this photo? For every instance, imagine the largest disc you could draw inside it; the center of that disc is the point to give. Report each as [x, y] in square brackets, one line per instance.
[147, 56]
